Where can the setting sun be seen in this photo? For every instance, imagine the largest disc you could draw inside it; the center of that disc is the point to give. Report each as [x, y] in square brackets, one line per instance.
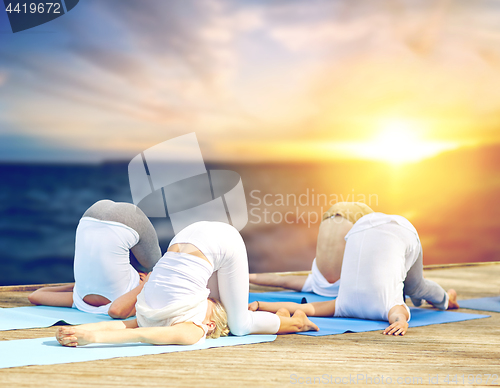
[395, 141]
[398, 142]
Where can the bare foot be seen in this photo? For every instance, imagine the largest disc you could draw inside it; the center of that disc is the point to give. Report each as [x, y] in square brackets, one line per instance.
[452, 303]
[283, 312]
[73, 336]
[307, 325]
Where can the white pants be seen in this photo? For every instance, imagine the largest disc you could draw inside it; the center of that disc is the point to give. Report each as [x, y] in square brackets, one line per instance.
[317, 283]
[223, 245]
[380, 261]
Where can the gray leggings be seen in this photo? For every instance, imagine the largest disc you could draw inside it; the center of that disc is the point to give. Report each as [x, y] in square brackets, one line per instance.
[147, 251]
[417, 287]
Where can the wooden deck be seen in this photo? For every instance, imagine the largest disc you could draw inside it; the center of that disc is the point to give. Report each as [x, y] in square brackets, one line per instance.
[462, 348]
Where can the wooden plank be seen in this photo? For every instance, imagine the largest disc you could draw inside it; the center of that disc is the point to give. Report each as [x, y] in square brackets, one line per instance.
[30, 287]
[471, 347]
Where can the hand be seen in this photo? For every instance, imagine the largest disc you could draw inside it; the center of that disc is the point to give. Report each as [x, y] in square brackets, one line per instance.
[254, 306]
[143, 277]
[397, 328]
[73, 336]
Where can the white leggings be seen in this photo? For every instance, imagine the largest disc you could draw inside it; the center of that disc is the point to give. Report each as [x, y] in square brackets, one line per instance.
[378, 262]
[223, 246]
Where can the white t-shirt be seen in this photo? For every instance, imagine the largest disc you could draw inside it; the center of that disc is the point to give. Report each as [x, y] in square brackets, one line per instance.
[102, 264]
[380, 249]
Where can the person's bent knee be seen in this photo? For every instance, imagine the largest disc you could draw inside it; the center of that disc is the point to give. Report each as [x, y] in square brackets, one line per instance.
[414, 290]
[331, 278]
[238, 330]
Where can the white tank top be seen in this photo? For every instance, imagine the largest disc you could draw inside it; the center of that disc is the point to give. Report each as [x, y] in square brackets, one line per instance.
[175, 292]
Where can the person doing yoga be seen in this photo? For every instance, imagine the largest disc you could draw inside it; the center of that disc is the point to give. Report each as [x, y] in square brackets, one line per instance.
[173, 306]
[382, 262]
[105, 281]
[326, 267]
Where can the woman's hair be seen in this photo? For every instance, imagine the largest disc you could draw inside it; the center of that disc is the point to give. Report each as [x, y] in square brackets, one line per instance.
[219, 316]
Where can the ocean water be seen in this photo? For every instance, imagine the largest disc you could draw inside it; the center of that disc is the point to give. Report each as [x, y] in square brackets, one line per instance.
[40, 206]
[455, 213]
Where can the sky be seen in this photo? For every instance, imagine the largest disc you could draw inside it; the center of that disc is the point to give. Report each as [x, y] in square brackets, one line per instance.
[393, 80]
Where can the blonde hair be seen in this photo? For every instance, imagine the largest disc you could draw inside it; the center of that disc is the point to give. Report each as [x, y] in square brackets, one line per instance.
[219, 316]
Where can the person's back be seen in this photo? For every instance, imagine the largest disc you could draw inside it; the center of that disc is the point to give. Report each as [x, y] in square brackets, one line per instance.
[101, 263]
[105, 280]
[380, 249]
[326, 267]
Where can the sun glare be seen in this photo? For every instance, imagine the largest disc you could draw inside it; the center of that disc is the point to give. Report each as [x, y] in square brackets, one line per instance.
[398, 142]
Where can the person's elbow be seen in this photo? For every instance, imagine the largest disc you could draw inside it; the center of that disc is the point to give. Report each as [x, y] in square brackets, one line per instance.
[118, 312]
[188, 335]
[34, 298]
[187, 339]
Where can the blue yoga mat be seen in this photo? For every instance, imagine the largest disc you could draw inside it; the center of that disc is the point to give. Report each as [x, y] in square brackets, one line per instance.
[329, 326]
[484, 304]
[45, 316]
[31, 317]
[419, 317]
[47, 351]
[287, 296]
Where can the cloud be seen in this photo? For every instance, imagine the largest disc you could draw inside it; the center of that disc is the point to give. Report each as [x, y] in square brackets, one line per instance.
[3, 77]
[157, 60]
[251, 71]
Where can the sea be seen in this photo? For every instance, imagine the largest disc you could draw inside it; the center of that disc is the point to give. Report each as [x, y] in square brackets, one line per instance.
[450, 200]
[41, 205]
